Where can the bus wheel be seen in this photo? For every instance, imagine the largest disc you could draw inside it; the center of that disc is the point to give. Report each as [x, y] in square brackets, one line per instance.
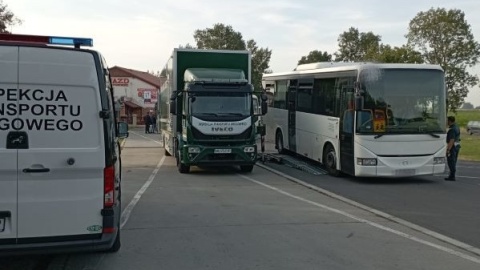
[330, 160]
[279, 142]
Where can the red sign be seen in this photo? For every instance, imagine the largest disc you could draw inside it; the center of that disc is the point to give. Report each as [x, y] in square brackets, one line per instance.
[120, 81]
[149, 96]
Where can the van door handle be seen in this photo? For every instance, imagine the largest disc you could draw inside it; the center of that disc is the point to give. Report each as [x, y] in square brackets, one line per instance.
[5, 214]
[42, 170]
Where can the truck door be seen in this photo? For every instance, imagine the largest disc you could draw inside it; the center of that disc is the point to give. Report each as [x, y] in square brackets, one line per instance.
[61, 172]
[9, 143]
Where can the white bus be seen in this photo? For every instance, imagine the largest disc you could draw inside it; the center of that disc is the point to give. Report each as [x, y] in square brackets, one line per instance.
[361, 119]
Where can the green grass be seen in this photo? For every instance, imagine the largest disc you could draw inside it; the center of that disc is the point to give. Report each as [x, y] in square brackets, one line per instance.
[470, 143]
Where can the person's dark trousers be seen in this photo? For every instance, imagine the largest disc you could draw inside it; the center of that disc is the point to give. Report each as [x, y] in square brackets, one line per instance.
[452, 162]
[147, 128]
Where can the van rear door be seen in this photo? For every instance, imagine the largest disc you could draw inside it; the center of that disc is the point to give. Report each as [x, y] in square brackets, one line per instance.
[8, 152]
[60, 182]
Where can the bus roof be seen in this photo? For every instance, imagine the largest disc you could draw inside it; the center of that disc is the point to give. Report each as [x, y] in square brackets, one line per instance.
[325, 67]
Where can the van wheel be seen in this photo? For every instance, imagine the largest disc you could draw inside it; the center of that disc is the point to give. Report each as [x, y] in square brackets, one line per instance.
[246, 168]
[182, 168]
[330, 160]
[279, 142]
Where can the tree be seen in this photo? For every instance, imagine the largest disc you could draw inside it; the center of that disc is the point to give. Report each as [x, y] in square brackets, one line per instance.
[467, 106]
[221, 37]
[444, 37]
[7, 18]
[186, 46]
[356, 46]
[315, 56]
[403, 54]
[224, 37]
[260, 62]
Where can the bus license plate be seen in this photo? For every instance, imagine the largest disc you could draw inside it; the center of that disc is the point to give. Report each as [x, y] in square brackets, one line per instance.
[2, 224]
[405, 172]
[222, 151]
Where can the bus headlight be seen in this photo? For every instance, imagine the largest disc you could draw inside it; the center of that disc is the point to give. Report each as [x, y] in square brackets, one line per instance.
[249, 149]
[439, 160]
[367, 161]
[194, 150]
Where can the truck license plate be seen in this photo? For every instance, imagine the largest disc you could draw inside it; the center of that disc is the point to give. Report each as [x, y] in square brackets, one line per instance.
[2, 224]
[222, 151]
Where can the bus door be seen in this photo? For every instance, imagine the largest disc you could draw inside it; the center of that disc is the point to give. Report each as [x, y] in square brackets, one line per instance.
[347, 120]
[292, 108]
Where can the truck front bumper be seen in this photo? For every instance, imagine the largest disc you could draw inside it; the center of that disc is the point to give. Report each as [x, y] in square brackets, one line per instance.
[197, 155]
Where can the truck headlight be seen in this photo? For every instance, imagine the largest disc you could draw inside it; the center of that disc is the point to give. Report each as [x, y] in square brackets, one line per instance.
[367, 161]
[439, 160]
[249, 149]
[194, 150]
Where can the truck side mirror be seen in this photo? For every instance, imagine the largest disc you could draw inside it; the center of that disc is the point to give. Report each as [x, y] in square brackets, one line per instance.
[264, 107]
[173, 103]
[264, 97]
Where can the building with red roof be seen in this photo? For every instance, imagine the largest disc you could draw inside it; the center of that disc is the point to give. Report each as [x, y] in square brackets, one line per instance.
[136, 91]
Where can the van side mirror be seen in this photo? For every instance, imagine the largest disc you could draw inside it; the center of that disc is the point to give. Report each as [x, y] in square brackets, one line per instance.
[122, 128]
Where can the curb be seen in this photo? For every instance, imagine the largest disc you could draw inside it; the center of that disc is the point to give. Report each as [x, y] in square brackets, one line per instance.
[440, 237]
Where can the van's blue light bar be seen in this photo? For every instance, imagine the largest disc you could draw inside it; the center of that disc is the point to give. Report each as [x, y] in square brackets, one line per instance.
[55, 40]
[71, 41]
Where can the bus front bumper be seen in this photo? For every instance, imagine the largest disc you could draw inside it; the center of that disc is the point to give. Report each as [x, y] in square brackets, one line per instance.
[403, 167]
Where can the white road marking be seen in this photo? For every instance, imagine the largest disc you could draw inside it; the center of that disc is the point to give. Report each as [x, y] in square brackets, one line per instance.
[382, 227]
[145, 137]
[128, 210]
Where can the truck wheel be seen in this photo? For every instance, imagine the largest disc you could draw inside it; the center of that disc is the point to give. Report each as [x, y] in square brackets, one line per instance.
[246, 168]
[330, 160]
[182, 168]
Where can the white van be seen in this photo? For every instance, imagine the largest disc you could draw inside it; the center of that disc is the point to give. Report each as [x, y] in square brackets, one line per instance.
[60, 167]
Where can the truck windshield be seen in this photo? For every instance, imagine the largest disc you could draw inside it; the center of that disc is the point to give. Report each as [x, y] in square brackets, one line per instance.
[221, 104]
[402, 101]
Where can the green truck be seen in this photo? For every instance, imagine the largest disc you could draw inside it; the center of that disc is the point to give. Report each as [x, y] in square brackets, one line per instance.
[208, 109]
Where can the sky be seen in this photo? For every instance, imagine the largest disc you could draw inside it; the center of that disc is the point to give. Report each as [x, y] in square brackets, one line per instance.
[141, 34]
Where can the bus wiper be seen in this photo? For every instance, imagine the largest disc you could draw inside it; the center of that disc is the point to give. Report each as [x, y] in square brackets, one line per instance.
[213, 114]
[434, 135]
[378, 136]
[236, 114]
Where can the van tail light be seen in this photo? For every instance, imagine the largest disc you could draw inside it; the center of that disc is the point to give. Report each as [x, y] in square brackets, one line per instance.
[109, 186]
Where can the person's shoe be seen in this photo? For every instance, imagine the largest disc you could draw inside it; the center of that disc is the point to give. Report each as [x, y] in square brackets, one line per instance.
[450, 179]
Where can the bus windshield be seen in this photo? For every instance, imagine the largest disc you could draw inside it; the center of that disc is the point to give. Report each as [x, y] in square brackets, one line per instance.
[402, 101]
[221, 104]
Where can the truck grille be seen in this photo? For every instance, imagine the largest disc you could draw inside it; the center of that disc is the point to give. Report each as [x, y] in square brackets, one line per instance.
[197, 135]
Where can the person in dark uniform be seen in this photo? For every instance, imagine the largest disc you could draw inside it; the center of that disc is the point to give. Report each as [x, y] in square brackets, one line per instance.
[147, 119]
[453, 147]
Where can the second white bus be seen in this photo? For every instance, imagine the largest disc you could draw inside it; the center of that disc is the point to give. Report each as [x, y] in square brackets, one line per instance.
[361, 119]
